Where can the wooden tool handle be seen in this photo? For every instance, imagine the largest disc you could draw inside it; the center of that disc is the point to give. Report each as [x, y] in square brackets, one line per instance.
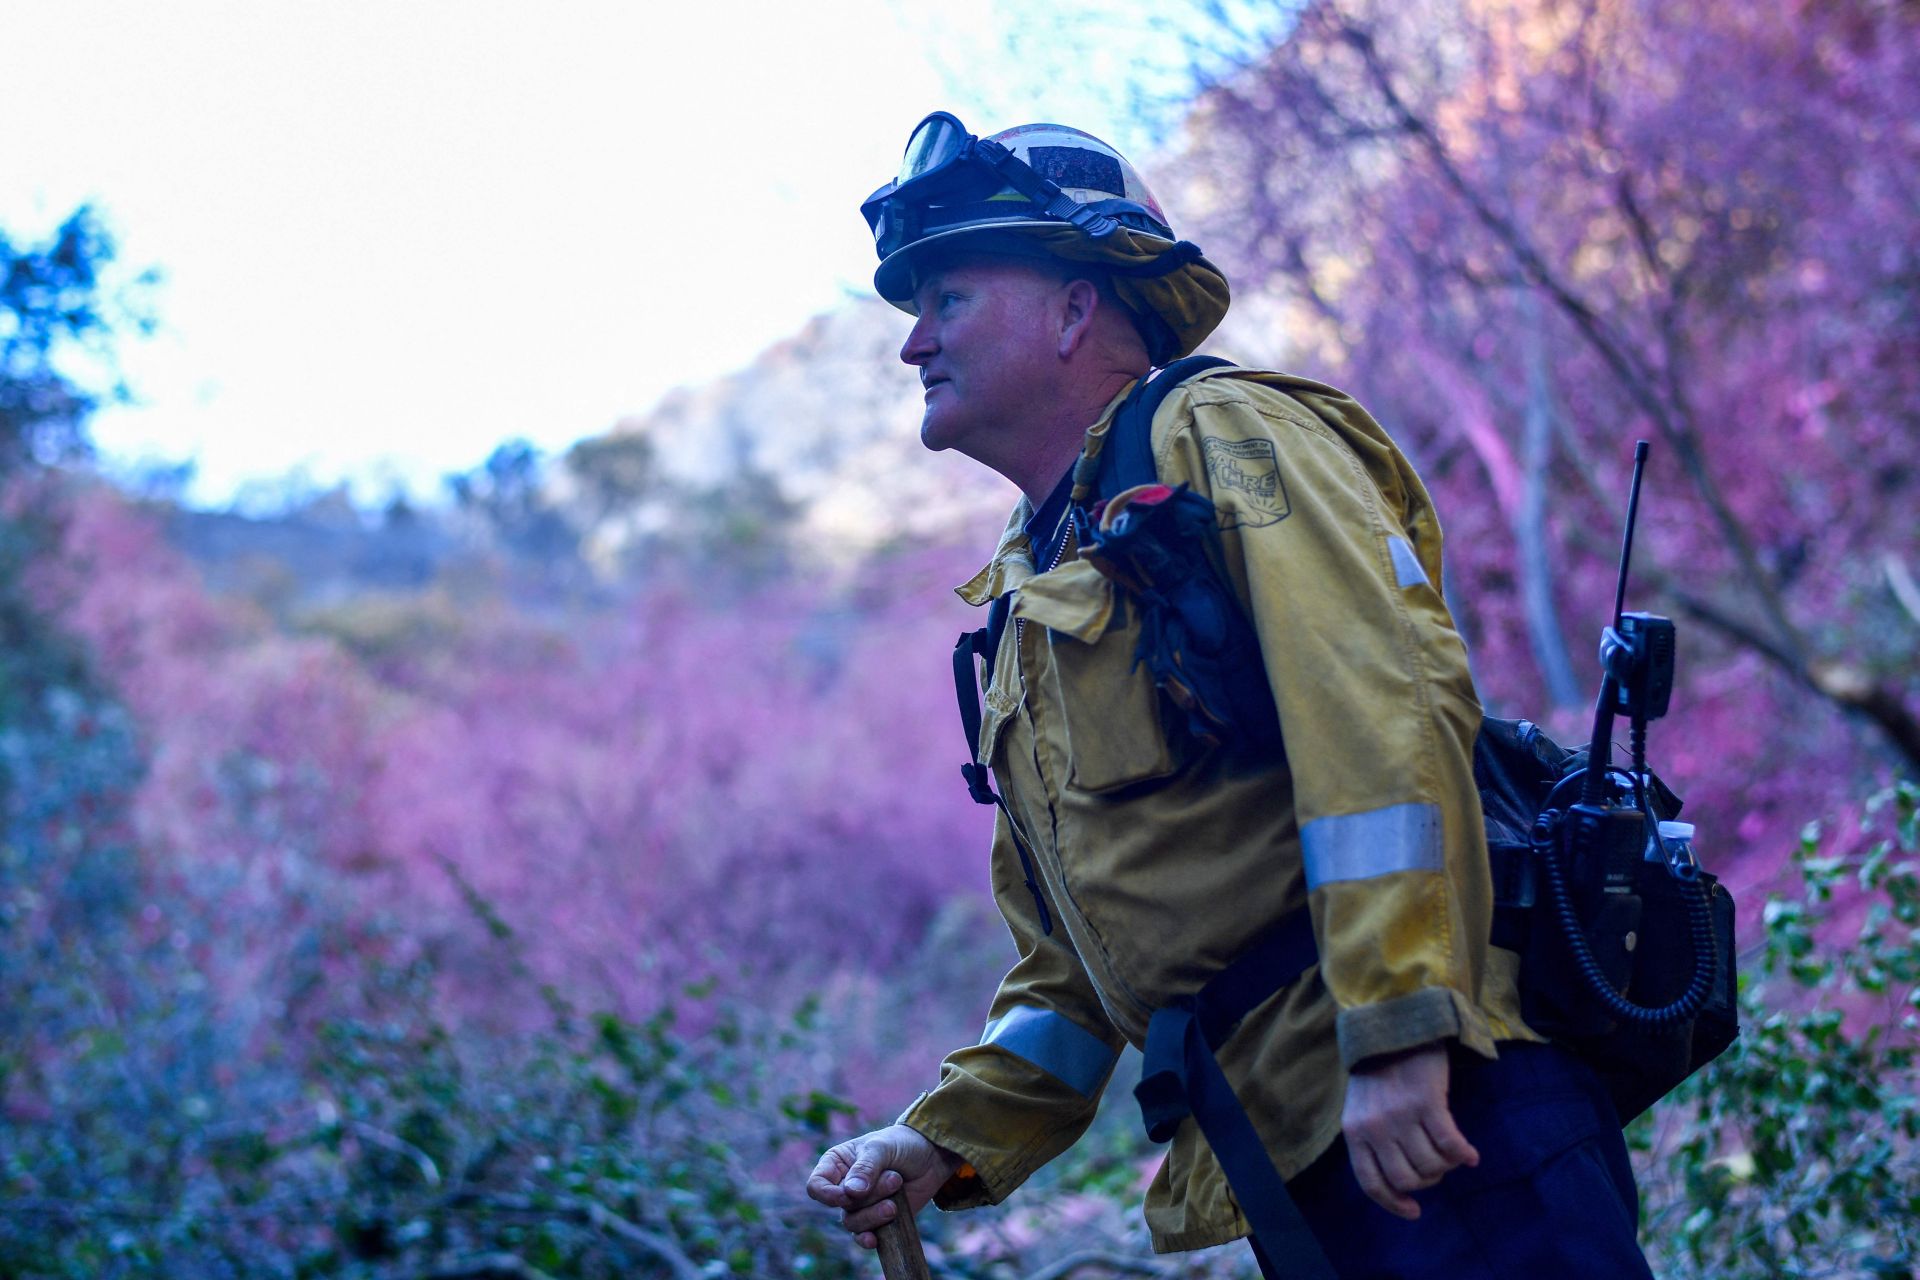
[901, 1257]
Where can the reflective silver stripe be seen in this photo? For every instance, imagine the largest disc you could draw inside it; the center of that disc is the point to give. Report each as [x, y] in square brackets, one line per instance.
[1406, 565]
[1359, 846]
[1056, 1045]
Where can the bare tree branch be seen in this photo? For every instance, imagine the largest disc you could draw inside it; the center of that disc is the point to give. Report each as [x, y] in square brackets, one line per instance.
[1544, 632]
[1901, 583]
[485, 1266]
[1843, 684]
[594, 1214]
[1114, 1262]
[577, 1209]
[1618, 355]
[76, 1211]
[429, 1171]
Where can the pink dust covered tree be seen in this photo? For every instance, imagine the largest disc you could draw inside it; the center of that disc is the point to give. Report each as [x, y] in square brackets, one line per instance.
[1527, 232]
[755, 795]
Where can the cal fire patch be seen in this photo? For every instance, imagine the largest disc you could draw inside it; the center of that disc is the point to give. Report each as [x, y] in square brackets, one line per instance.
[1249, 471]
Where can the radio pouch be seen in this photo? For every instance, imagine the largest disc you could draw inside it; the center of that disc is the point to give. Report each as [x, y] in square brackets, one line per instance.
[1635, 917]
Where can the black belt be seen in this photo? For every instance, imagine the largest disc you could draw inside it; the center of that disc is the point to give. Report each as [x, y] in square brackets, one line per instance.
[1181, 1078]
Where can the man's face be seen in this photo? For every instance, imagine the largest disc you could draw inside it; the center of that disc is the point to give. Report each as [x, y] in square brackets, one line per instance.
[986, 343]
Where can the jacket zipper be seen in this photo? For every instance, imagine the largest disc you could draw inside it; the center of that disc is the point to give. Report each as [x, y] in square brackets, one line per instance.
[1020, 624]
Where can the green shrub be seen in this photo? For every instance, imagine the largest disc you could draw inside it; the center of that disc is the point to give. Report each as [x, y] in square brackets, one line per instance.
[593, 1146]
[1794, 1154]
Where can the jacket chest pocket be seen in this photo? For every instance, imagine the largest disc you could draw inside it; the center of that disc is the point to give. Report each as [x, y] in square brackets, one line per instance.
[1109, 709]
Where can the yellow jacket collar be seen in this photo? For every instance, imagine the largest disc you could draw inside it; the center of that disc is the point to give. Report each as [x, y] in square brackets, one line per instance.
[1012, 562]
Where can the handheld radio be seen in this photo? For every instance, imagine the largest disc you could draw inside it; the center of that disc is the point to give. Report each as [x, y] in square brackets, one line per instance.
[1630, 956]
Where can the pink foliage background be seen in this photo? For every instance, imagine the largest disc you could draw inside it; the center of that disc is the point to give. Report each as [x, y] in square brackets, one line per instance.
[1526, 234]
[759, 791]
[748, 779]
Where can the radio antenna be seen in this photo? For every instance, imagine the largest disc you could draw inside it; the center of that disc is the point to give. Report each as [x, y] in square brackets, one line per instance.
[1613, 649]
[1626, 539]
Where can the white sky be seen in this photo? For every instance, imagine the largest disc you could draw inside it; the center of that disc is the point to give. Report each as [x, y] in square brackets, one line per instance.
[395, 234]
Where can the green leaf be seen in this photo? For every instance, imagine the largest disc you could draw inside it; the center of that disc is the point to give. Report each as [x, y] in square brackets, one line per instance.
[816, 1110]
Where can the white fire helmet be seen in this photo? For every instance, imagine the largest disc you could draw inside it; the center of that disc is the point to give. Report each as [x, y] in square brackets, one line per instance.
[1050, 188]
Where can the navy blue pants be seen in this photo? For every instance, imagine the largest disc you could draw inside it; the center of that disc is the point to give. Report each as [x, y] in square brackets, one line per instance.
[1553, 1194]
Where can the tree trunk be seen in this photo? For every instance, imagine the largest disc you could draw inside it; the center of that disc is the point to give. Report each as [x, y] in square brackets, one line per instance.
[1544, 633]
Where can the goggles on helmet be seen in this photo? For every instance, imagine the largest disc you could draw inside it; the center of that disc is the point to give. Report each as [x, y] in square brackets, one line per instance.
[948, 177]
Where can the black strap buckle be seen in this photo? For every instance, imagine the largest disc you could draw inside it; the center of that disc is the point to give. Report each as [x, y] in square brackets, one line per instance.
[1180, 1077]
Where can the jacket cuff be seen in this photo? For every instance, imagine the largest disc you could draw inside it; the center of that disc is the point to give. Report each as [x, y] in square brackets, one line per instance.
[1410, 1021]
[967, 1188]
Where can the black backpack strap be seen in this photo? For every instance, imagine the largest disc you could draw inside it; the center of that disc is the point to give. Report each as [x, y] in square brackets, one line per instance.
[966, 652]
[973, 645]
[1181, 1078]
[1127, 457]
[982, 645]
[1124, 461]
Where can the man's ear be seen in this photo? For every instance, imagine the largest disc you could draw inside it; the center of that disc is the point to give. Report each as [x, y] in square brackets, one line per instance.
[1079, 303]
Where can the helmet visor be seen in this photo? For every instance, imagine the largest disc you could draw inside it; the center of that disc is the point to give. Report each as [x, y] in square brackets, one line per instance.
[936, 141]
[939, 166]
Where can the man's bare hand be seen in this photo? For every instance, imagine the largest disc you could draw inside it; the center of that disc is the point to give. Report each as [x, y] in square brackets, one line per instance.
[860, 1174]
[1400, 1133]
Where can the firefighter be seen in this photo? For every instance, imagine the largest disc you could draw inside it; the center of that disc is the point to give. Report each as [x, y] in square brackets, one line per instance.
[1292, 925]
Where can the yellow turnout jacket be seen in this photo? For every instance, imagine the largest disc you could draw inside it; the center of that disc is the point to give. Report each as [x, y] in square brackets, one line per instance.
[1161, 858]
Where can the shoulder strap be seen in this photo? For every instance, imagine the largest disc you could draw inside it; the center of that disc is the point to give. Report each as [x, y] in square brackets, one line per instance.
[1127, 458]
[972, 646]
